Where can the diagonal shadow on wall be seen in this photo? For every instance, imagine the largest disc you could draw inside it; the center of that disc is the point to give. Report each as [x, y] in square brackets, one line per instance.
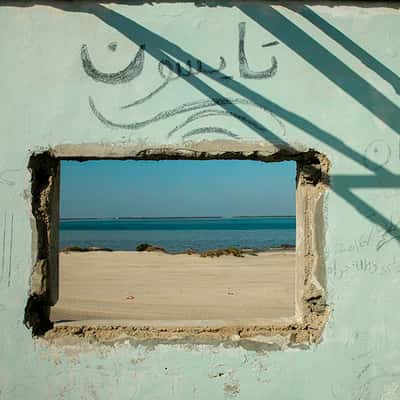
[335, 34]
[165, 51]
[355, 86]
[162, 49]
[326, 63]
[307, 48]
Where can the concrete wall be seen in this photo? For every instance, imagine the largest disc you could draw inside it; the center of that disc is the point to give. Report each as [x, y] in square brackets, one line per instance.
[330, 83]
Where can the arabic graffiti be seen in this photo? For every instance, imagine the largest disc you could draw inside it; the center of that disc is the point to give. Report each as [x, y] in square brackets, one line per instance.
[170, 71]
[190, 69]
[244, 69]
[363, 265]
[133, 70]
[179, 72]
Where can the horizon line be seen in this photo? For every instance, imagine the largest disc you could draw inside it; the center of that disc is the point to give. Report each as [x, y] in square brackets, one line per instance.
[185, 217]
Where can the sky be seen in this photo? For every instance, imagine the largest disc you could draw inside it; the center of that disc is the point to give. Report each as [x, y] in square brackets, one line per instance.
[115, 188]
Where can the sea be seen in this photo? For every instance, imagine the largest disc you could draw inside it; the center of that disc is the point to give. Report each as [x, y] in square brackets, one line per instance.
[179, 234]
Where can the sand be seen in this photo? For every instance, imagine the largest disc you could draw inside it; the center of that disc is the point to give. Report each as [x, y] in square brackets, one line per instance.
[159, 287]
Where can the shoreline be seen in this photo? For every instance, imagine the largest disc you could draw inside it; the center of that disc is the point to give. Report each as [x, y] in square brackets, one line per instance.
[148, 248]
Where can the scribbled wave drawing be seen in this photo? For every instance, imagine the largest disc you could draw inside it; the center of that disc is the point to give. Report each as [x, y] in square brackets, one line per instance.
[147, 97]
[133, 70]
[211, 129]
[7, 181]
[206, 111]
[179, 72]
[211, 113]
[168, 78]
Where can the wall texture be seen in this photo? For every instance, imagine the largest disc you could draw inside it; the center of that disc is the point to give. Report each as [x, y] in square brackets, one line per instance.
[112, 80]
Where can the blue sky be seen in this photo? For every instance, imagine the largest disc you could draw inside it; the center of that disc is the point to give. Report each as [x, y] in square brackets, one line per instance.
[176, 188]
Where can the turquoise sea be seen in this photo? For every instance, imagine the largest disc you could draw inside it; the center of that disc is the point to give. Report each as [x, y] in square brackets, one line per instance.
[179, 234]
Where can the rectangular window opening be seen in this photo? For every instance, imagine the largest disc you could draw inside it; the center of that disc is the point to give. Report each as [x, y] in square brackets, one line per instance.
[173, 247]
[168, 224]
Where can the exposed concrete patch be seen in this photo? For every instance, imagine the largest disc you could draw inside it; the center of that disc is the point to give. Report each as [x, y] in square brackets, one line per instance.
[202, 150]
[311, 309]
[231, 390]
[44, 278]
[191, 341]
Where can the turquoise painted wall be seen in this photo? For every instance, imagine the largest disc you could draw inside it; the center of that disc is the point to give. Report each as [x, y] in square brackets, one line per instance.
[313, 77]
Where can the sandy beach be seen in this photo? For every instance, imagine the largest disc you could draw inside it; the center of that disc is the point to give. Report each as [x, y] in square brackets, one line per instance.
[152, 286]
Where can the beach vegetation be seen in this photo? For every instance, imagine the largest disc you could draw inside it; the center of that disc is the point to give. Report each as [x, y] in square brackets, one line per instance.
[84, 249]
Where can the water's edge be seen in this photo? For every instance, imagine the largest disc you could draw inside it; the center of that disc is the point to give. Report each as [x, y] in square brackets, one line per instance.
[179, 234]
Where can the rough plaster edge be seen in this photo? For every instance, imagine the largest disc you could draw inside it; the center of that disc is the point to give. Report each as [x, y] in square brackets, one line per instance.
[44, 199]
[210, 3]
[199, 150]
[312, 312]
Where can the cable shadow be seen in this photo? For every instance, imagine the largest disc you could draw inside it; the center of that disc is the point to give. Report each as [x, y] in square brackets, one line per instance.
[326, 63]
[335, 34]
[307, 48]
[161, 49]
[354, 85]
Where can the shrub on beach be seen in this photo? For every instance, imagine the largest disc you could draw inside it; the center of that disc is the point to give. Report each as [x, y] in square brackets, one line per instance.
[284, 246]
[223, 252]
[209, 253]
[190, 251]
[142, 246]
[288, 246]
[149, 247]
[84, 249]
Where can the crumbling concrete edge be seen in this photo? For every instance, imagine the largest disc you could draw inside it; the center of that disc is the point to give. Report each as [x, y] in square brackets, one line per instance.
[311, 307]
[43, 293]
[214, 3]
